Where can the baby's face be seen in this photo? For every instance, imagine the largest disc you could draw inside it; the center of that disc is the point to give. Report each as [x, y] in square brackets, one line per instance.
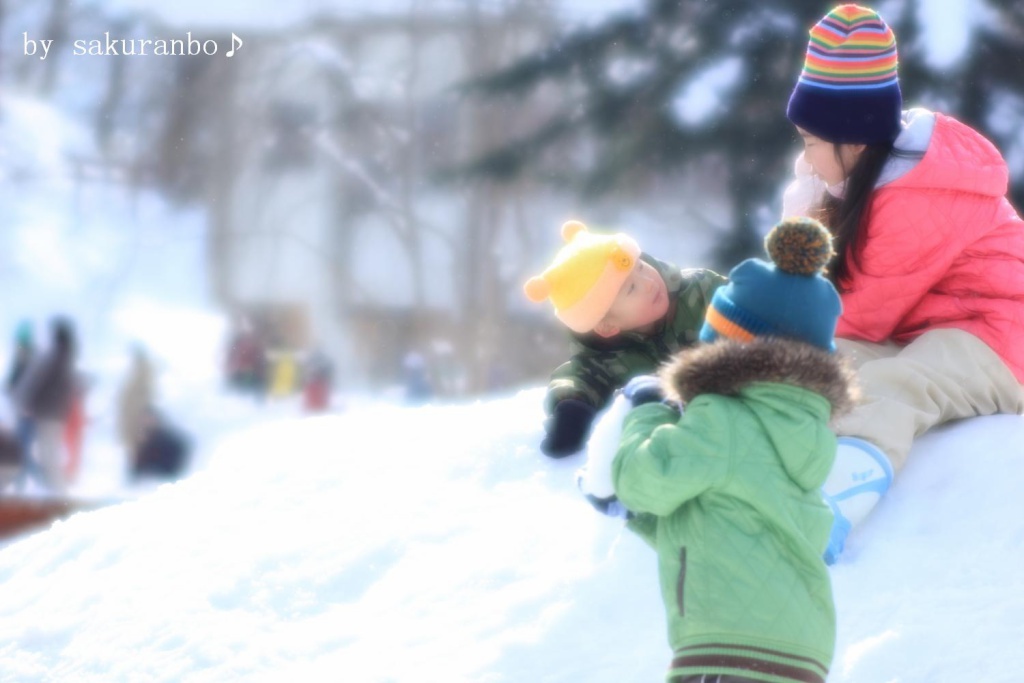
[641, 302]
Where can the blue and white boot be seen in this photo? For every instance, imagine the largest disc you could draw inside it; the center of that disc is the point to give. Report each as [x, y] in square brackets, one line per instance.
[860, 476]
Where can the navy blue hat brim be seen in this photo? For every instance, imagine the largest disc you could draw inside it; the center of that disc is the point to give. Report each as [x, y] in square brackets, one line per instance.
[847, 115]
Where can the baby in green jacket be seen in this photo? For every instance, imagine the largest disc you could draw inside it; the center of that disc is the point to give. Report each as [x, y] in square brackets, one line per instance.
[729, 491]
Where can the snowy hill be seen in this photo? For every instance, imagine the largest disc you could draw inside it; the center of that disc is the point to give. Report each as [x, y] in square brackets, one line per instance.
[437, 544]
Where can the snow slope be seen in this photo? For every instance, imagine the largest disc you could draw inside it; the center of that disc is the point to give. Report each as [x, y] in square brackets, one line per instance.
[437, 544]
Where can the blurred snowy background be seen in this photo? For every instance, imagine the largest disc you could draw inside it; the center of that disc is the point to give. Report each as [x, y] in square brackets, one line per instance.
[377, 183]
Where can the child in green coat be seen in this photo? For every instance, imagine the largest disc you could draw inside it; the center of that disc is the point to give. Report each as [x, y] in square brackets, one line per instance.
[729, 491]
[627, 312]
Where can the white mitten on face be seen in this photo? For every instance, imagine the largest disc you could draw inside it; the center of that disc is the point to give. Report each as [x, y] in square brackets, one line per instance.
[596, 478]
[803, 196]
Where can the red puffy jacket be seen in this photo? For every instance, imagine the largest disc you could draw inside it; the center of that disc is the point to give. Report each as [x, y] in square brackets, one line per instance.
[944, 249]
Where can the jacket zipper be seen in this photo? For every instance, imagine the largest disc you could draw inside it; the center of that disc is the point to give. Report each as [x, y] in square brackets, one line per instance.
[681, 582]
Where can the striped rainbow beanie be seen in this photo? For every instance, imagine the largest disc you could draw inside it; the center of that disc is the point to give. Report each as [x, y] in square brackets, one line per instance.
[849, 91]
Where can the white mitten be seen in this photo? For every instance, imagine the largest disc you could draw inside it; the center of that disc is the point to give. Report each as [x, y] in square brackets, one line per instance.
[804, 195]
[595, 479]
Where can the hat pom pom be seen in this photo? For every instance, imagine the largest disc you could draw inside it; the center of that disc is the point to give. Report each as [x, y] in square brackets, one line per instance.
[572, 228]
[800, 246]
[537, 289]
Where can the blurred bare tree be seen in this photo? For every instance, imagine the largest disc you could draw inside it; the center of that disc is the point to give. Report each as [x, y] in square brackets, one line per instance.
[632, 77]
[57, 28]
[317, 150]
[327, 141]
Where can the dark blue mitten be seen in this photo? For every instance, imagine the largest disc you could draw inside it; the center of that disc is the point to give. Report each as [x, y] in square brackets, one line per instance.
[643, 389]
[567, 428]
[610, 506]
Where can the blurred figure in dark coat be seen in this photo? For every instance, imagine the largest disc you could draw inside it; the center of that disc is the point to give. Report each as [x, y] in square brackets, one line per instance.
[24, 425]
[44, 393]
[163, 452]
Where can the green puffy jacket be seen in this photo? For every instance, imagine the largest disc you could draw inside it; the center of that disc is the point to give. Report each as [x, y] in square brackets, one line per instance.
[729, 496]
[599, 366]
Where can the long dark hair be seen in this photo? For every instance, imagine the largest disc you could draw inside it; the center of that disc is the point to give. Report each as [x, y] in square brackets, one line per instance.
[847, 218]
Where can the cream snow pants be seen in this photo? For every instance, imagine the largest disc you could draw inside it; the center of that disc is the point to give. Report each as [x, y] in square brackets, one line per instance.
[942, 375]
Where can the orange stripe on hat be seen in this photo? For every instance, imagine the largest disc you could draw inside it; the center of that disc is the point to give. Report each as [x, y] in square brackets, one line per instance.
[725, 327]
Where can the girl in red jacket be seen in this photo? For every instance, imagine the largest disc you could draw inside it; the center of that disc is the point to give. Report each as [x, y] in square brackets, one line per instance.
[930, 255]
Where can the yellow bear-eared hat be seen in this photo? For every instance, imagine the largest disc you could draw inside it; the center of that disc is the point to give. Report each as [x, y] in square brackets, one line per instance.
[585, 277]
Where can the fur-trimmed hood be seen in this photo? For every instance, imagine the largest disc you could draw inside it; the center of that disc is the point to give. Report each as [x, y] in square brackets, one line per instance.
[727, 366]
[793, 422]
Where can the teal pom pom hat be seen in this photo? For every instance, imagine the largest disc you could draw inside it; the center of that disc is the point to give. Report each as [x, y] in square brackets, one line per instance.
[849, 89]
[787, 298]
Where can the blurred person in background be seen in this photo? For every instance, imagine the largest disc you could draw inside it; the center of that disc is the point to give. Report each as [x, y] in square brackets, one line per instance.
[134, 402]
[10, 457]
[24, 428]
[163, 452]
[24, 352]
[154, 447]
[416, 378]
[283, 376]
[45, 393]
[246, 360]
[74, 427]
[317, 378]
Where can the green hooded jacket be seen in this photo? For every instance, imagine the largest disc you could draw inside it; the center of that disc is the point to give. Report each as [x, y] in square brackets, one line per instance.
[599, 366]
[729, 496]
